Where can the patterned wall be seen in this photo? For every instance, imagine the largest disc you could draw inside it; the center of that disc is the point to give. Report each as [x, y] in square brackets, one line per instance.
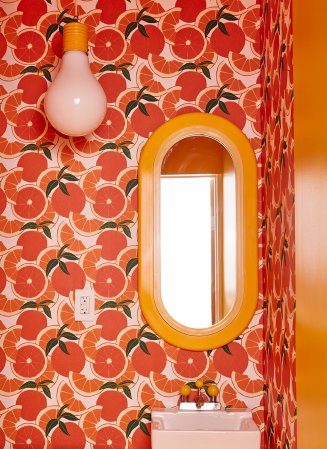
[277, 225]
[64, 383]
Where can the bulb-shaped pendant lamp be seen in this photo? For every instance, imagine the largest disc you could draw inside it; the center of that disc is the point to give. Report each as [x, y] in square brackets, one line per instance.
[75, 103]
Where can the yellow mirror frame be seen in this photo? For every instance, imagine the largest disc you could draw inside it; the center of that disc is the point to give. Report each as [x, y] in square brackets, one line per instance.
[234, 323]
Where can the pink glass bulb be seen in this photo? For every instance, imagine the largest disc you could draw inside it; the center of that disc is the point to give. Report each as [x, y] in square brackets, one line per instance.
[75, 103]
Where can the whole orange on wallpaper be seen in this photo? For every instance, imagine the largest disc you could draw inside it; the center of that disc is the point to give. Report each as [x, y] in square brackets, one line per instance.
[69, 217]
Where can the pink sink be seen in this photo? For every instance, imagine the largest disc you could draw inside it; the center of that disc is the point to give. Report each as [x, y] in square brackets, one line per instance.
[193, 429]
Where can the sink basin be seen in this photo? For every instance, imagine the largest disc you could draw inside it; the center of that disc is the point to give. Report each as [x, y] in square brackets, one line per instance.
[206, 429]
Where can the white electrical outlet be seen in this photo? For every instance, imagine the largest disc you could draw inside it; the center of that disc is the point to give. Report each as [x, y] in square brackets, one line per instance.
[84, 305]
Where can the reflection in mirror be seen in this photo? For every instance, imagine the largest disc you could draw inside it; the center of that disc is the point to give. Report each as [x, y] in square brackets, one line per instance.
[197, 232]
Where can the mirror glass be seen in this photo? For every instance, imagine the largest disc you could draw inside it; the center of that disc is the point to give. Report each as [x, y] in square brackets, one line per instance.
[197, 232]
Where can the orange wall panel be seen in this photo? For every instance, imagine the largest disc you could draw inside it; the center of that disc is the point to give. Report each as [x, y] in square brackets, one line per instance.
[310, 68]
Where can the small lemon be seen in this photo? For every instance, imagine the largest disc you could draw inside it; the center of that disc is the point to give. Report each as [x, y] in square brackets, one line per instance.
[185, 390]
[199, 383]
[213, 390]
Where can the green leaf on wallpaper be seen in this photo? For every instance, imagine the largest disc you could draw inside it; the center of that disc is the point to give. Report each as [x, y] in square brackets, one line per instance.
[50, 345]
[142, 30]
[29, 147]
[140, 92]
[229, 96]
[126, 151]
[62, 170]
[130, 28]
[63, 188]
[130, 265]
[223, 107]
[143, 108]
[69, 336]
[187, 66]
[130, 186]
[63, 428]
[68, 20]
[149, 19]
[108, 146]
[126, 231]
[63, 347]
[205, 71]
[126, 382]
[29, 305]
[222, 28]
[108, 68]
[47, 75]
[144, 347]
[51, 186]
[47, 231]
[149, 97]
[227, 350]
[69, 256]
[144, 428]
[191, 385]
[150, 336]
[109, 385]
[62, 249]
[221, 90]
[130, 106]
[47, 311]
[127, 391]
[140, 13]
[47, 153]
[109, 225]
[46, 301]
[228, 16]
[61, 15]
[211, 104]
[131, 426]
[63, 267]
[126, 73]
[29, 69]
[131, 345]
[210, 26]
[127, 311]
[51, 264]
[142, 329]
[60, 331]
[29, 225]
[28, 384]
[46, 391]
[222, 9]
[69, 416]
[69, 177]
[45, 382]
[51, 30]
[141, 412]
[108, 305]
[50, 426]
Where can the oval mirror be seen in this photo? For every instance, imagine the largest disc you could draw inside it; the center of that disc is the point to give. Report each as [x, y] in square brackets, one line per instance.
[198, 231]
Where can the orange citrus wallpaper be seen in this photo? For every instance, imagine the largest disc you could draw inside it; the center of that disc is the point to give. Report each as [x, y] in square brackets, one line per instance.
[277, 225]
[69, 215]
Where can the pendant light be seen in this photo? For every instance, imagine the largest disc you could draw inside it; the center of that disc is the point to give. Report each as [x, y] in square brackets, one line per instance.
[75, 103]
